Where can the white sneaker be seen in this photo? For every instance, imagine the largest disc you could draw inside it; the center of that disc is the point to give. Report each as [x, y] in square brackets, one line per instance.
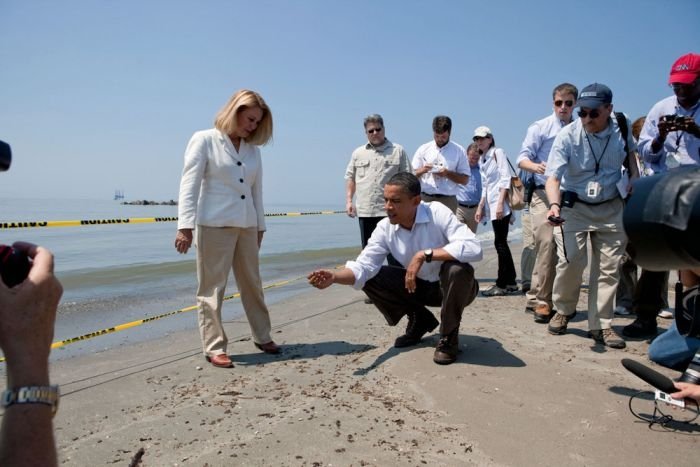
[666, 313]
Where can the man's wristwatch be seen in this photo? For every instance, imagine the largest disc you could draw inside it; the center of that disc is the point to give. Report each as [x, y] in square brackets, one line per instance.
[48, 395]
[428, 254]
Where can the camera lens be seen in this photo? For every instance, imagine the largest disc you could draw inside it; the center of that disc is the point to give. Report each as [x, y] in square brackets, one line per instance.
[5, 156]
[692, 373]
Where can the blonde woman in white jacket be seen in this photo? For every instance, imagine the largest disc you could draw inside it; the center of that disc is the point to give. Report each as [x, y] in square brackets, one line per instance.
[495, 180]
[221, 194]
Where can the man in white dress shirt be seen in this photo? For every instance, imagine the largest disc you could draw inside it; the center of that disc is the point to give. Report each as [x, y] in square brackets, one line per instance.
[435, 249]
[441, 166]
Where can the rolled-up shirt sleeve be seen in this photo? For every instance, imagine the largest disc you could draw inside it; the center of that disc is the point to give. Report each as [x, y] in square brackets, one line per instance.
[530, 146]
[462, 244]
[503, 169]
[368, 264]
[558, 157]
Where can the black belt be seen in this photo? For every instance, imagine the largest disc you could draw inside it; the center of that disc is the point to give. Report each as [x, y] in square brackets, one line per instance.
[539, 187]
[599, 203]
[469, 206]
[436, 195]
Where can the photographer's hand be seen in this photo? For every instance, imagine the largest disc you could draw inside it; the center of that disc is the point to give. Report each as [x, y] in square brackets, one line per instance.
[690, 127]
[687, 391]
[664, 128]
[27, 316]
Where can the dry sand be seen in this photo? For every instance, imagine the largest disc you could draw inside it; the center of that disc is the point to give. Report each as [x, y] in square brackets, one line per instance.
[341, 395]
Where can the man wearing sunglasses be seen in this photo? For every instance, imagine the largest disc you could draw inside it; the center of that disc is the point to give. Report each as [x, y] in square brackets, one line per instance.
[371, 165]
[582, 172]
[533, 157]
[669, 138]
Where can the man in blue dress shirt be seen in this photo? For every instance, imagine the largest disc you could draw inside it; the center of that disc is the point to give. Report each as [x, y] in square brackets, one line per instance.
[583, 171]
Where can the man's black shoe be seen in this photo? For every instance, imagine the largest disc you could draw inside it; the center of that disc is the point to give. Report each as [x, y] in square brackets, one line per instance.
[417, 327]
[640, 329]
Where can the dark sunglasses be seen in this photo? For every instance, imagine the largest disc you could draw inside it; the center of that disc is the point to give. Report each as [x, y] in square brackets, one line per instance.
[372, 131]
[559, 103]
[595, 113]
[477, 138]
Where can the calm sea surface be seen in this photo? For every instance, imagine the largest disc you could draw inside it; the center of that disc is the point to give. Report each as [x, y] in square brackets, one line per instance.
[118, 273]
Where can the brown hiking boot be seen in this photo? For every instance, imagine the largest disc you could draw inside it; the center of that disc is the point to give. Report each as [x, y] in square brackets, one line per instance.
[447, 349]
[558, 323]
[543, 313]
[418, 325]
[608, 337]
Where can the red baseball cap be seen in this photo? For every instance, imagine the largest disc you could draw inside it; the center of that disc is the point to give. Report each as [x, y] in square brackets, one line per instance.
[685, 69]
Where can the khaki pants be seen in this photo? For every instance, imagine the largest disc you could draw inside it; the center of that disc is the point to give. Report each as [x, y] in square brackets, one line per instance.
[449, 201]
[466, 216]
[218, 250]
[602, 224]
[545, 252]
[527, 256]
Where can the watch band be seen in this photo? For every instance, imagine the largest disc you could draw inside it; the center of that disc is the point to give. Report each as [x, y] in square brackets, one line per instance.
[48, 395]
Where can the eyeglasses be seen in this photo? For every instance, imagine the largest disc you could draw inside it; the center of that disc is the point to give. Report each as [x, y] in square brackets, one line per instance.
[372, 131]
[560, 103]
[595, 113]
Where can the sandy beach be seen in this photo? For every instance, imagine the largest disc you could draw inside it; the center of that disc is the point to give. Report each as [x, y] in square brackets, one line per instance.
[341, 395]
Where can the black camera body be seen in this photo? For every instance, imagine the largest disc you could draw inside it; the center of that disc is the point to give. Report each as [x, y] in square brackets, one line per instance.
[673, 118]
[662, 220]
[14, 265]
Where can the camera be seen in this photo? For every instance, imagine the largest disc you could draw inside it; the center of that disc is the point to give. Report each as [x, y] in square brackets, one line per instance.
[662, 220]
[14, 265]
[5, 156]
[677, 119]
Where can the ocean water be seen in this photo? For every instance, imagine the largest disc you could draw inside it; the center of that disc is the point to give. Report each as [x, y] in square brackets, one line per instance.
[117, 273]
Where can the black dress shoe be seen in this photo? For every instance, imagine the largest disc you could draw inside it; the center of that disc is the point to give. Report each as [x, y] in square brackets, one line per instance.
[640, 329]
[417, 327]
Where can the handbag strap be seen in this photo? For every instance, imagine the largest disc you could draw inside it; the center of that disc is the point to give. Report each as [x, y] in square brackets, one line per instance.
[512, 168]
[511, 165]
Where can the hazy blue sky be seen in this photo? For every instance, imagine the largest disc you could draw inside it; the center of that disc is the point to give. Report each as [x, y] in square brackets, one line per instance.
[98, 95]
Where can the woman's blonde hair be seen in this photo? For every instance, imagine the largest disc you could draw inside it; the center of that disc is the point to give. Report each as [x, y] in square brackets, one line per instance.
[226, 120]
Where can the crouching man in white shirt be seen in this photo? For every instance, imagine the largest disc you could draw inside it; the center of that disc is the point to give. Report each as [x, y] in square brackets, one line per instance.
[435, 249]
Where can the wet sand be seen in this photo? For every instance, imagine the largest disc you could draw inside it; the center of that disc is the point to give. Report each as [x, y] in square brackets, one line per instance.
[340, 394]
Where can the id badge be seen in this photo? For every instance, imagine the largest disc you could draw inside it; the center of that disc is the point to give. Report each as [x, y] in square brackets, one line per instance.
[673, 160]
[593, 189]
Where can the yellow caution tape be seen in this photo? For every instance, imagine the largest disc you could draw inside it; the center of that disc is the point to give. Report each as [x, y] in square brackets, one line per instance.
[139, 322]
[131, 220]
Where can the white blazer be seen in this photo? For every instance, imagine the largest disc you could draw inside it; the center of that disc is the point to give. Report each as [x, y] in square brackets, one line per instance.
[220, 187]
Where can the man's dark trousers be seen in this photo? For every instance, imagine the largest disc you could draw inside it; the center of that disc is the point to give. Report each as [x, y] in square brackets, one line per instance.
[456, 289]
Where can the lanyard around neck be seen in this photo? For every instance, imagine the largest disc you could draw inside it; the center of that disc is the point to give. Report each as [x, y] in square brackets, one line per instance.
[597, 159]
